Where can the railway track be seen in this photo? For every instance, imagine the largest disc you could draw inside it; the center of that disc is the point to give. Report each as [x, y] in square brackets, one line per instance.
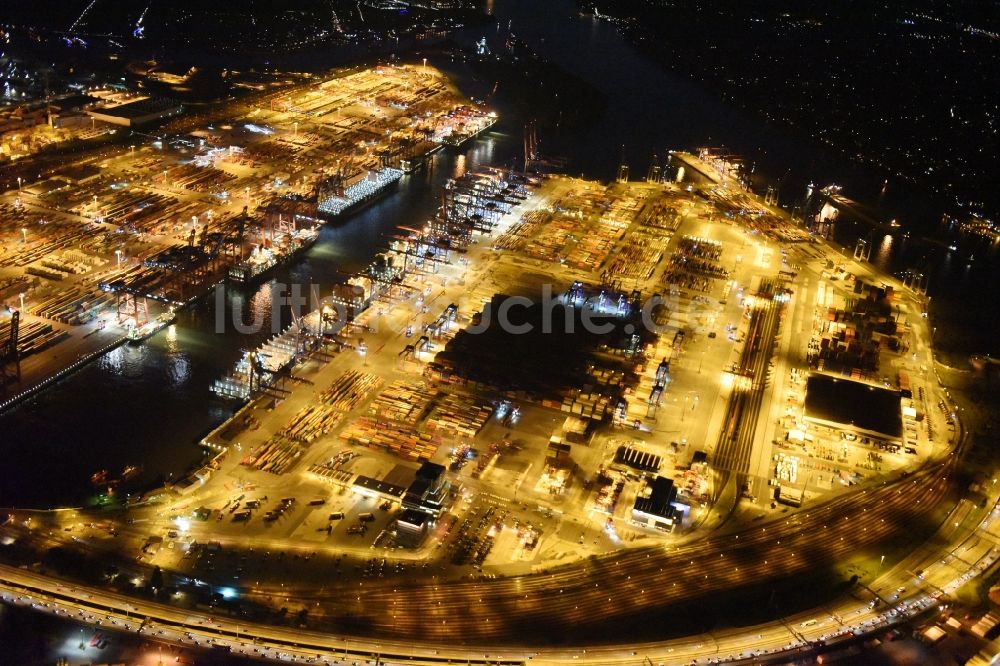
[732, 453]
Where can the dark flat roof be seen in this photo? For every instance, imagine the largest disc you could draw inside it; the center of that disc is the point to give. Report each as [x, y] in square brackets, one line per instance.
[657, 503]
[139, 108]
[75, 101]
[381, 487]
[413, 517]
[854, 404]
[430, 471]
[637, 459]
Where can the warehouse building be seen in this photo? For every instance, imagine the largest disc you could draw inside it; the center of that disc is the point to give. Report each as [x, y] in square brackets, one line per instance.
[140, 112]
[654, 507]
[429, 491]
[854, 407]
[412, 527]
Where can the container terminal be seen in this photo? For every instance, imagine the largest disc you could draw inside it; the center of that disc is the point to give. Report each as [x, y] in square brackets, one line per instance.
[416, 430]
[105, 247]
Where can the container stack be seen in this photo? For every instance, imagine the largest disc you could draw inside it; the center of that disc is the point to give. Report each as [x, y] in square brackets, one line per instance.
[350, 390]
[402, 439]
[588, 405]
[311, 422]
[277, 455]
[461, 415]
[403, 403]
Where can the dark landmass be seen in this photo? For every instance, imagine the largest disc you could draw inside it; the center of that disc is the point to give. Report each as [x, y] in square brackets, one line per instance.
[895, 86]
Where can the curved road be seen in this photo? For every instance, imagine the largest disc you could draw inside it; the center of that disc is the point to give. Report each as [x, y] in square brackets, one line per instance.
[970, 547]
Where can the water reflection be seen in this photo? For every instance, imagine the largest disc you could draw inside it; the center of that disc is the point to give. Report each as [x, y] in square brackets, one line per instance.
[884, 253]
[178, 369]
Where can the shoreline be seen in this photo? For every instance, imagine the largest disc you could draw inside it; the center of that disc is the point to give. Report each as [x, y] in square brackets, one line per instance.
[82, 344]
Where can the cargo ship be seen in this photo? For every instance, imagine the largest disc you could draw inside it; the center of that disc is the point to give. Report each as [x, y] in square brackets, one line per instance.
[458, 139]
[347, 195]
[137, 334]
[262, 260]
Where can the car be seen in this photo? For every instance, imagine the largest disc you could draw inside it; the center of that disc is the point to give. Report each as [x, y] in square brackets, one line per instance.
[339, 515]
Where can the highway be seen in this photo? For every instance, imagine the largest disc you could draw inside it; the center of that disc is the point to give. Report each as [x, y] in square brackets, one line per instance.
[627, 586]
[965, 545]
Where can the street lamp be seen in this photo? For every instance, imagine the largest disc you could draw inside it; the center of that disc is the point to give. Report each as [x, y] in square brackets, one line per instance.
[24, 235]
[425, 64]
[22, 300]
[18, 183]
[118, 253]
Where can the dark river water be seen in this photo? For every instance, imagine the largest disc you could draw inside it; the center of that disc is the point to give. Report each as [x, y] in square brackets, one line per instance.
[150, 404]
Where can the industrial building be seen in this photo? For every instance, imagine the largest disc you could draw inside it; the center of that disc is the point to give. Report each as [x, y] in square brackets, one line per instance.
[139, 112]
[855, 407]
[655, 506]
[644, 461]
[411, 527]
[377, 488]
[429, 491]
